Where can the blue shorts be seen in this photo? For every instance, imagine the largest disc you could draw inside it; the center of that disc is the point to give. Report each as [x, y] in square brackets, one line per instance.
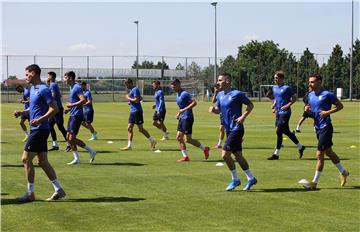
[233, 141]
[282, 120]
[74, 124]
[136, 118]
[308, 115]
[185, 125]
[25, 117]
[324, 137]
[58, 118]
[159, 116]
[37, 141]
[89, 116]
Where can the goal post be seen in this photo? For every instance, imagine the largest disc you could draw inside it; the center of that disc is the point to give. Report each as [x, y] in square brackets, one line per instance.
[264, 90]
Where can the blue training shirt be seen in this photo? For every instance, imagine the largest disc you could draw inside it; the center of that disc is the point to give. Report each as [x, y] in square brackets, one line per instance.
[159, 101]
[183, 99]
[282, 96]
[319, 102]
[75, 92]
[87, 95]
[40, 99]
[55, 90]
[230, 107]
[134, 107]
[26, 95]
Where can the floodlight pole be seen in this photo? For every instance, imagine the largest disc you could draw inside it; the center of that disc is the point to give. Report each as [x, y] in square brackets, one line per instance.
[137, 50]
[215, 65]
[351, 50]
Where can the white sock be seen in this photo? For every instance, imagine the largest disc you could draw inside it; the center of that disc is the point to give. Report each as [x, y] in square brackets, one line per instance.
[340, 167]
[151, 139]
[26, 133]
[55, 144]
[165, 134]
[67, 144]
[298, 127]
[30, 187]
[234, 175]
[220, 142]
[56, 184]
[129, 143]
[76, 155]
[299, 145]
[277, 152]
[88, 148]
[248, 174]
[316, 177]
[184, 153]
[202, 147]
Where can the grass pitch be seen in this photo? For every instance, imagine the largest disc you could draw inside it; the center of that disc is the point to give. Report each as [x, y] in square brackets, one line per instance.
[141, 190]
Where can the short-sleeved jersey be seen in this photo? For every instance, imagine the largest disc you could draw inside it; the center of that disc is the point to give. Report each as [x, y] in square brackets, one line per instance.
[321, 101]
[55, 90]
[75, 92]
[282, 96]
[134, 107]
[87, 95]
[230, 107]
[183, 99]
[40, 99]
[306, 98]
[159, 101]
[26, 95]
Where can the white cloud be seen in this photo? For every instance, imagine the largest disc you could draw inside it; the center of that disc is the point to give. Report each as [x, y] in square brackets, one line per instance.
[248, 38]
[81, 46]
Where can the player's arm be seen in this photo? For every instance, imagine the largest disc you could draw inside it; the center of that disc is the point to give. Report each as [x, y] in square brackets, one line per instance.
[249, 108]
[78, 103]
[214, 109]
[50, 113]
[18, 113]
[216, 91]
[190, 106]
[338, 106]
[88, 101]
[292, 101]
[135, 99]
[25, 101]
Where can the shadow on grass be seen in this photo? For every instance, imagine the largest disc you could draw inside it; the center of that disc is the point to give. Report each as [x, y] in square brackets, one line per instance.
[95, 199]
[12, 165]
[282, 190]
[170, 149]
[324, 158]
[120, 164]
[4, 194]
[213, 161]
[110, 139]
[99, 152]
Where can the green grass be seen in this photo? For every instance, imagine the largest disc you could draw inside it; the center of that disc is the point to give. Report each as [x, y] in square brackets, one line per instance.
[141, 190]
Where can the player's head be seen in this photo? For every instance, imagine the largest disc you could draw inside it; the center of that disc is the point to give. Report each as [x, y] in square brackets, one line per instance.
[156, 84]
[315, 81]
[69, 77]
[84, 85]
[279, 77]
[51, 76]
[32, 72]
[19, 88]
[176, 85]
[128, 83]
[223, 81]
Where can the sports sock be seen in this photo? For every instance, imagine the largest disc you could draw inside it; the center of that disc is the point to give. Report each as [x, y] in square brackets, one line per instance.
[165, 134]
[56, 184]
[26, 133]
[234, 175]
[340, 167]
[299, 145]
[129, 143]
[30, 187]
[220, 142]
[249, 174]
[76, 155]
[316, 177]
[184, 153]
[297, 127]
[277, 152]
[202, 147]
[88, 148]
[151, 139]
[55, 144]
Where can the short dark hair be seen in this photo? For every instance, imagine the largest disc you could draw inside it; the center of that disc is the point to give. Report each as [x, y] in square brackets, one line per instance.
[176, 81]
[128, 80]
[225, 74]
[317, 76]
[52, 75]
[83, 83]
[156, 82]
[19, 86]
[70, 74]
[280, 74]
[34, 68]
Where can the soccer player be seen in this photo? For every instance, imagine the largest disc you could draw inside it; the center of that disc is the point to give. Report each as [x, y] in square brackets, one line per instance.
[284, 98]
[221, 127]
[24, 100]
[136, 115]
[186, 119]
[305, 114]
[160, 110]
[75, 107]
[88, 111]
[58, 118]
[229, 103]
[42, 107]
[320, 101]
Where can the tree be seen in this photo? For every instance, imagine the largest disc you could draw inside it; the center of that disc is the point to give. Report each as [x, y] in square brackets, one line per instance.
[194, 70]
[307, 66]
[150, 65]
[179, 66]
[334, 72]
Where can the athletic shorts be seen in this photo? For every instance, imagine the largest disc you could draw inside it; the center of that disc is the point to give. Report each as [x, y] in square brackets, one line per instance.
[282, 119]
[25, 117]
[136, 118]
[58, 118]
[74, 124]
[324, 137]
[89, 116]
[185, 125]
[159, 116]
[37, 141]
[308, 115]
[233, 141]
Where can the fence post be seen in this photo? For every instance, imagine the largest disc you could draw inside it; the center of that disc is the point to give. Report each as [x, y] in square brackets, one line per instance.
[186, 68]
[7, 77]
[112, 76]
[62, 74]
[87, 68]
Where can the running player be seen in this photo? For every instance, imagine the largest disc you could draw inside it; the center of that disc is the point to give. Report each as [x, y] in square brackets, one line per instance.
[24, 100]
[88, 111]
[160, 110]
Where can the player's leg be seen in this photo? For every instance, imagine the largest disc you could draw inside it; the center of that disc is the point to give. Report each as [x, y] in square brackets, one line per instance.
[26, 159]
[188, 138]
[292, 136]
[180, 138]
[55, 145]
[23, 127]
[143, 131]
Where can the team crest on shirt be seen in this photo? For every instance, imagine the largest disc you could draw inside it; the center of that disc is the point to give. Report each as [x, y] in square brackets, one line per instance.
[229, 98]
[320, 97]
[281, 90]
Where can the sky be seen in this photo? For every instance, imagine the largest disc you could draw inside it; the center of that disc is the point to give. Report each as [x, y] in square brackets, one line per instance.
[176, 29]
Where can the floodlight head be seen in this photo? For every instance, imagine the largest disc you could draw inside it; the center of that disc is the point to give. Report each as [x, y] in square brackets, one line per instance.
[213, 3]
[136, 22]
